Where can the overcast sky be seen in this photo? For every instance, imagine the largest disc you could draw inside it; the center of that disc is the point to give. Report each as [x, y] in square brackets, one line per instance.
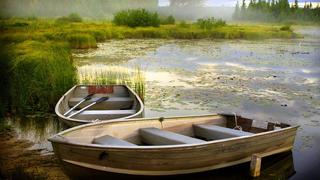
[231, 3]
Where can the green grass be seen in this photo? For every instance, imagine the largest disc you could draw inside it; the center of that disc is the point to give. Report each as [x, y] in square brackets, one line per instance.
[114, 75]
[40, 73]
[82, 41]
[86, 34]
[36, 63]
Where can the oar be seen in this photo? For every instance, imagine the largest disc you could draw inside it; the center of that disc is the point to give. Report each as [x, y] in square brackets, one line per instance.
[96, 102]
[84, 99]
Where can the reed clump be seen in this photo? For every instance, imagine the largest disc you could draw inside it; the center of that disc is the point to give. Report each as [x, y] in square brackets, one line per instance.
[134, 78]
[81, 41]
[40, 73]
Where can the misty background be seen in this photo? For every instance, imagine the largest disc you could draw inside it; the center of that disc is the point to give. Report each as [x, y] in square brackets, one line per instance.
[104, 9]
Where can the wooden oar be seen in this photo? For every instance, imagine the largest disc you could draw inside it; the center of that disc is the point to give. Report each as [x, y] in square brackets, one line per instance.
[96, 102]
[84, 99]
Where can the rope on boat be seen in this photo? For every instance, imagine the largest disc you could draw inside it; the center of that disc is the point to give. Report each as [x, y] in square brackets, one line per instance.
[96, 121]
[236, 122]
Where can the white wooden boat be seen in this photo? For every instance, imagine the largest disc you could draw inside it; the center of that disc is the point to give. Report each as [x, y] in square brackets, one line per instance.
[120, 102]
[169, 146]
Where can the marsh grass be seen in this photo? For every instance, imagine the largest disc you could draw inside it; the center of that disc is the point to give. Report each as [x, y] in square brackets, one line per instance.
[37, 67]
[87, 34]
[81, 41]
[134, 78]
[40, 73]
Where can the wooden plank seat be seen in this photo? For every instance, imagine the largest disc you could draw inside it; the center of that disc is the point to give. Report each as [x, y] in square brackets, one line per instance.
[155, 136]
[213, 132]
[106, 112]
[112, 141]
[111, 102]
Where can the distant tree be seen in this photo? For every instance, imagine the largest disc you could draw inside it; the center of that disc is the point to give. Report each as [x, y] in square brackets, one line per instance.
[277, 10]
[243, 7]
[187, 3]
[236, 14]
[168, 20]
[136, 17]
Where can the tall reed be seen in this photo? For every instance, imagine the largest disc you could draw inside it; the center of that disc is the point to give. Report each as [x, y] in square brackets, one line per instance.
[40, 73]
[108, 75]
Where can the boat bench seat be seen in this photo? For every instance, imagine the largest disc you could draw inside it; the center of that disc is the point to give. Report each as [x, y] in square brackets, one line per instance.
[119, 100]
[155, 136]
[110, 140]
[213, 132]
[106, 112]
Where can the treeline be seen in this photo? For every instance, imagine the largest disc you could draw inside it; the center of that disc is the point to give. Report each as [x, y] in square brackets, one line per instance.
[275, 10]
[93, 9]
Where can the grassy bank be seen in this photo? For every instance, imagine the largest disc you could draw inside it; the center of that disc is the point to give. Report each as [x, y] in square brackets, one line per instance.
[39, 73]
[36, 59]
[86, 34]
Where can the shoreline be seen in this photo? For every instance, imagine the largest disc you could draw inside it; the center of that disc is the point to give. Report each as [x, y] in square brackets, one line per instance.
[17, 161]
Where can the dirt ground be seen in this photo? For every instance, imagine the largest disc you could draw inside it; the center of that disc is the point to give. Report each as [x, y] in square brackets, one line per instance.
[17, 162]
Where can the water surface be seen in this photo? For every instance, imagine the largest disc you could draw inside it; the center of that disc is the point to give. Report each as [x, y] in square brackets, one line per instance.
[271, 80]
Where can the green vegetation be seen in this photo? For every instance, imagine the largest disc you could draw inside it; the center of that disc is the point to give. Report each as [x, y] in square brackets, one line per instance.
[4, 126]
[4, 81]
[168, 20]
[36, 63]
[286, 28]
[209, 23]
[40, 73]
[136, 17]
[276, 10]
[82, 41]
[73, 17]
[115, 75]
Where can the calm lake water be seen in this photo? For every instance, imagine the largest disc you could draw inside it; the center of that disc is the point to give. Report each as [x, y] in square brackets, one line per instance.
[273, 80]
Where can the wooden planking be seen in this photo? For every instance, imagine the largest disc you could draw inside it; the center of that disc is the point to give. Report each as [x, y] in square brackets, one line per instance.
[128, 130]
[104, 112]
[175, 158]
[155, 136]
[118, 90]
[81, 91]
[111, 141]
[169, 159]
[212, 132]
[111, 103]
[255, 165]
[245, 123]
[184, 125]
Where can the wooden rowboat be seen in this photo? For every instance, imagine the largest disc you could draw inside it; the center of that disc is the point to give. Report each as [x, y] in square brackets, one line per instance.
[169, 146]
[120, 102]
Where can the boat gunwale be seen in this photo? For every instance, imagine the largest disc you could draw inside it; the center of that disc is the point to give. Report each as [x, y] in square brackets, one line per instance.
[73, 120]
[58, 138]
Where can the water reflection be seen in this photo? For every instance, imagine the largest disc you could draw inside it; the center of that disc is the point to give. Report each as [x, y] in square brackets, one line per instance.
[37, 129]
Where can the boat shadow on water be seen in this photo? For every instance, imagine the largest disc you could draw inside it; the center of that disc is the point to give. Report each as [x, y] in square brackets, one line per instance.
[278, 166]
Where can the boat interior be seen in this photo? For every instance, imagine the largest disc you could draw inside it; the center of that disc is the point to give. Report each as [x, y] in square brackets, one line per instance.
[168, 131]
[120, 102]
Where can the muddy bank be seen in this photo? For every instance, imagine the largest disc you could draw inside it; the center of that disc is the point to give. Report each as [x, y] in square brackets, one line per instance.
[17, 161]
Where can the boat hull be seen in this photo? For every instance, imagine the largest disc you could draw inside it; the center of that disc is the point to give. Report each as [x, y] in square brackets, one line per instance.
[173, 160]
[62, 105]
